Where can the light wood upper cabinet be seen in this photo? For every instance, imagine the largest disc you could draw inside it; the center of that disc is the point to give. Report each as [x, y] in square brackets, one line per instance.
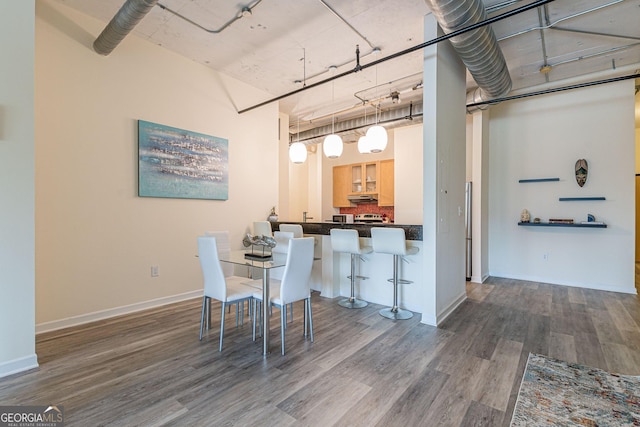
[386, 186]
[364, 178]
[341, 186]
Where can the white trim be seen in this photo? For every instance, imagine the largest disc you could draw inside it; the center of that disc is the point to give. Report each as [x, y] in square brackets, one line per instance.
[447, 311]
[475, 279]
[596, 286]
[428, 320]
[18, 365]
[112, 312]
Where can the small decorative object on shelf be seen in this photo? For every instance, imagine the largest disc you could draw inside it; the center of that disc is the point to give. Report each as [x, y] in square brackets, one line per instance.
[273, 216]
[536, 220]
[560, 221]
[582, 170]
[525, 216]
[591, 220]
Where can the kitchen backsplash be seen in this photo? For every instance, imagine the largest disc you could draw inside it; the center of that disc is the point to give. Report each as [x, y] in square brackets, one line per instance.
[369, 208]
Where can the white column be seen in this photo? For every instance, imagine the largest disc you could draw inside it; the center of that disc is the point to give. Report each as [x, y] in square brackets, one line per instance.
[480, 198]
[444, 178]
[17, 187]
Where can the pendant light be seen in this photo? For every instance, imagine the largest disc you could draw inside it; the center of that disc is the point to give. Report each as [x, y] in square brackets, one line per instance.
[377, 135]
[363, 142]
[297, 150]
[332, 145]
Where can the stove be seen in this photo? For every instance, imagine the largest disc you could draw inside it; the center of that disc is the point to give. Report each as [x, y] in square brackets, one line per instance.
[368, 218]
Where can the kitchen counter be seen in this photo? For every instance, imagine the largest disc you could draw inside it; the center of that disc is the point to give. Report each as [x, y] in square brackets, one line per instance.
[329, 274]
[412, 232]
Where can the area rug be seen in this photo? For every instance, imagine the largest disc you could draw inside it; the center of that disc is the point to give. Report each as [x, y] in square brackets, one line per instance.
[558, 393]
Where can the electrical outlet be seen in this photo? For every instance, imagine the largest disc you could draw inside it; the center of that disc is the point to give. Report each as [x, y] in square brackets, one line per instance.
[155, 271]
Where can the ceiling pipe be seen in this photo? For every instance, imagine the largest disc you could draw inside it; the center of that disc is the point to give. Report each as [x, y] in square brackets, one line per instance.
[471, 27]
[390, 119]
[472, 106]
[478, 49]
[121, 25]
[244, 12]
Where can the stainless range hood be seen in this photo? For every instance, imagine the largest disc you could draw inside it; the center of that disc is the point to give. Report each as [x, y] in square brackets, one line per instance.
[362, 198]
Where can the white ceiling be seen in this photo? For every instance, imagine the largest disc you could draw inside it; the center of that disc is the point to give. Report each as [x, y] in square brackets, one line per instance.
[286, 42]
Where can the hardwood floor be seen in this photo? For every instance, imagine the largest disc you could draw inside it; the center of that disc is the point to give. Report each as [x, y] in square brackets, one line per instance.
[149, 368]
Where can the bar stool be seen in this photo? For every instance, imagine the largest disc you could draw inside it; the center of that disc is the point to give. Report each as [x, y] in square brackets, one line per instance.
[392, 241]
[348, 241]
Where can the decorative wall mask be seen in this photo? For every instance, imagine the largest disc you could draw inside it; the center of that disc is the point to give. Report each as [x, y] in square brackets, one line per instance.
[582, 170]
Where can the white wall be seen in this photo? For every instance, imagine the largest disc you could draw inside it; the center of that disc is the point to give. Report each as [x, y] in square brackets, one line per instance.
[96, 240]
[17, 191]
[542, 137]
[408, 175]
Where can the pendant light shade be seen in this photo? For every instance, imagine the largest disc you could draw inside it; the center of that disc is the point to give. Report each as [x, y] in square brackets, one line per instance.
[298, 152]
[332, 146]
[377, 139]
[363, 145]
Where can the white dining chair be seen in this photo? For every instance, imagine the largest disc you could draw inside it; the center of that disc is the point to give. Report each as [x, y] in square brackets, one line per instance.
[262, 228]
[296, 229]
[227, 290]
[293, 287]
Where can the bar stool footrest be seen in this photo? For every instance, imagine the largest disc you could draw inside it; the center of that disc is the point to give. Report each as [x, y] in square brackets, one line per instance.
[401, 281]
[396, 313]
[352, 303]
[359, 277]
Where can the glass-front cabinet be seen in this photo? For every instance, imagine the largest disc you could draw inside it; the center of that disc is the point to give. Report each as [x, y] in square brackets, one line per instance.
[364, 178]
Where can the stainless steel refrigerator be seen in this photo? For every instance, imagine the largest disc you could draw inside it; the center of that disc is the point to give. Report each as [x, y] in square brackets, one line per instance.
[467, 228]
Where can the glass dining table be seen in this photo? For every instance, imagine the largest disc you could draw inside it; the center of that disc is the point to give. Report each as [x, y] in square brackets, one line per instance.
[243, 258]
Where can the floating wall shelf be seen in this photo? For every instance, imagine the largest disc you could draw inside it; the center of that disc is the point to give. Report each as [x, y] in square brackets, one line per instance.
[539, 180]
[560, 224]
[576, 199]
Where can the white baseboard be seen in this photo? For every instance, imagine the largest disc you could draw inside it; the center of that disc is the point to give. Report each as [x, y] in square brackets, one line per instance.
[451, 308]
[479, 279]
[112, 312]
[551, 281]
[18, 365]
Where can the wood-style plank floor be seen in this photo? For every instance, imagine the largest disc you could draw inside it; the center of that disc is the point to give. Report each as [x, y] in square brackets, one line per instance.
[149, 368]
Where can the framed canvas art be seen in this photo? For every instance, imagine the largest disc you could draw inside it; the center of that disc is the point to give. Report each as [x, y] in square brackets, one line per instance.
[177, 163]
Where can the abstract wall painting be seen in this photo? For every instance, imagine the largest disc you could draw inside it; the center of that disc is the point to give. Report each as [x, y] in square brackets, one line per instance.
[176, 163]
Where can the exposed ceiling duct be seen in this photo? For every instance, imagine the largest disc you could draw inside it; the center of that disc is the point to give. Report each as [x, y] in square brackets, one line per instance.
[122, 23]
[478, 48]
[352, 129]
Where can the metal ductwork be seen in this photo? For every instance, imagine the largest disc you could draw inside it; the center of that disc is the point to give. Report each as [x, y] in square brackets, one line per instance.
[352, 129]
[478, 49]
[122, 23]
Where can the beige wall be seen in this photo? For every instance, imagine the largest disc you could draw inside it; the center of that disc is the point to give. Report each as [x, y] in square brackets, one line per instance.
[17, 243]
[95, 239]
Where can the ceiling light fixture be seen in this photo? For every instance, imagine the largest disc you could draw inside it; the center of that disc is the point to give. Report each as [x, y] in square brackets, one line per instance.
[395, 97]
[297, 150]
[332, 145]
[377, 135]
[363, 142]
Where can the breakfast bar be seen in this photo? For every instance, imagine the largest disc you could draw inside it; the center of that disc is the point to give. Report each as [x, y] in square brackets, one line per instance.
[330, 274]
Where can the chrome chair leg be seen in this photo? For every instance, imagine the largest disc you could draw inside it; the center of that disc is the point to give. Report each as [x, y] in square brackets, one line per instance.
[283, 322]
[222, 324]
[203, 315]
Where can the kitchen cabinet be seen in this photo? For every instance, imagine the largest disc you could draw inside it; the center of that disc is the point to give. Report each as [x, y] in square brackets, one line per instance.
[364, 178]
[341, 186]
[386, 183]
